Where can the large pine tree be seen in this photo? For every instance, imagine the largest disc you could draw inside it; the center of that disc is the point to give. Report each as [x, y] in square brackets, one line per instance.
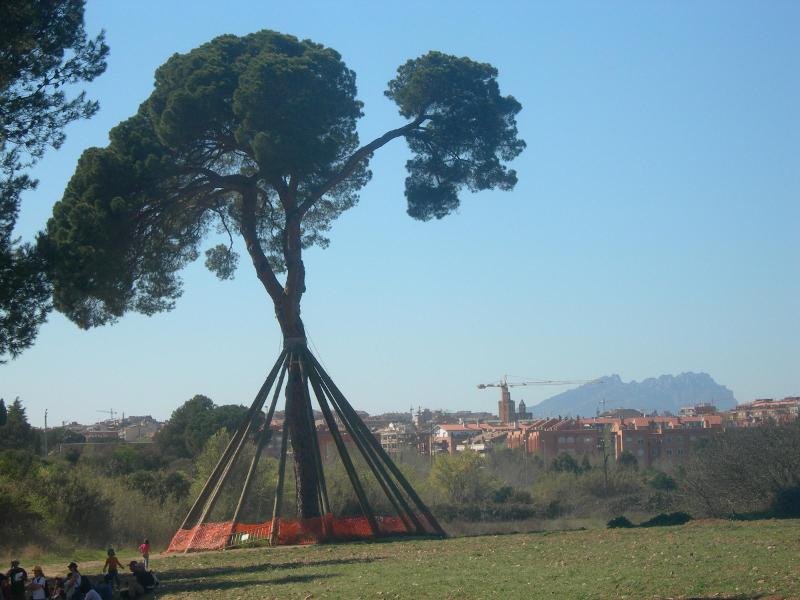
[257, 136]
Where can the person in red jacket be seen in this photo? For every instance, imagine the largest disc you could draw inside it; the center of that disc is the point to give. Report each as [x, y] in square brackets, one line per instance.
[145, 550]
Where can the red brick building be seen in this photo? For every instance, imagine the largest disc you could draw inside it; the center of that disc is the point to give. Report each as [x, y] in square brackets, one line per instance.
[665, 440]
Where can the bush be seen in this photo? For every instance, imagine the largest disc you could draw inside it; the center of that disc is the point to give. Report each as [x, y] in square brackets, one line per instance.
[627, 460]
[665, 520]
[663, 482]
[554, 509]
[786, 502]
[619, 522]
[502, 494]
[565, 463]
[73, 504]
[136, 516]
[462, 478]
[19, 519]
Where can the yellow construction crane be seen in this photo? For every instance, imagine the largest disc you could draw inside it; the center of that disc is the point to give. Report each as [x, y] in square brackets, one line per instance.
[507, 409]
[504, 384]
[111, 412]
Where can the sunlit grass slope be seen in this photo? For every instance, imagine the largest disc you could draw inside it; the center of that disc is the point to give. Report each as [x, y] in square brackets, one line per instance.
[714, 559]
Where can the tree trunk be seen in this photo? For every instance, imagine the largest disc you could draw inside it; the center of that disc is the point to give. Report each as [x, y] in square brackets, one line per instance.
[286, 300]
[301, 428]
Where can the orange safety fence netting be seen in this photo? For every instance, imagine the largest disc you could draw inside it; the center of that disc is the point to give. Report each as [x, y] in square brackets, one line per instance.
[215, 536]
[207, 536]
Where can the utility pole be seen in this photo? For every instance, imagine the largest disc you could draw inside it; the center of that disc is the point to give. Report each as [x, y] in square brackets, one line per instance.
[45, 433]
[604, 443]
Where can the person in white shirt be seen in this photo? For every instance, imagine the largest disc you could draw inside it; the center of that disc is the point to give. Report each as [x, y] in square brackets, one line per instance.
[38, 585]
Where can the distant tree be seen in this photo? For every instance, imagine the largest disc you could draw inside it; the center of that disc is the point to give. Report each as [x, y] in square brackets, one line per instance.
[585, 464]
[462, 478]
[17, 433]
[56, 436]
[3, 412]
[663, 482]
[208, 458]
[256, 136]
[502, 494]
[565, 463]
[745, 470]
[159, 486]
[171, 438]
[513, 466]
[190, 426]
[627, 460]
[43, 50]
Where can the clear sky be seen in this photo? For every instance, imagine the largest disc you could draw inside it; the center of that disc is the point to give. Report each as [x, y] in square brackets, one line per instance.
[654, 228]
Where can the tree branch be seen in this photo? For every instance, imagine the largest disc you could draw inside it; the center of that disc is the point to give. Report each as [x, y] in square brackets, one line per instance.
[361, 154]
[260, 261]
[239, 183]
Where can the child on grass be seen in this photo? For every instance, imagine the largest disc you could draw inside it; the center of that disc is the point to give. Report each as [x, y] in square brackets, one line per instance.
[145, 550]
[112, 566]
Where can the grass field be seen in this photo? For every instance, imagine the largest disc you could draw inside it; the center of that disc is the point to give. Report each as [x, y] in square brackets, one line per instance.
[710, 559]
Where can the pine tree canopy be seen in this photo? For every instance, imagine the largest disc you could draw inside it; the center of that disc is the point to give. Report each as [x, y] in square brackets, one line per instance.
[256, 136]
[44, 50]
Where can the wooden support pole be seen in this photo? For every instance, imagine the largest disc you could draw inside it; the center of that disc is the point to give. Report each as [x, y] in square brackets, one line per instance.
[384, 480]
[276, 506]
[229, 449]
[323, 490]
[366, 509]
[212, 498]
[263, 440]
[381, 452]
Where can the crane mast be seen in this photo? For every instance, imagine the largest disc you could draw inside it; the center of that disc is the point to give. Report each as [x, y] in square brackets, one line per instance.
[506, 407]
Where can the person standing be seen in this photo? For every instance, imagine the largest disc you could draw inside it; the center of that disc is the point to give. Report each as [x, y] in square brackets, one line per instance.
[38, 585]
[145, 550]
[17, 576]
[112, 566]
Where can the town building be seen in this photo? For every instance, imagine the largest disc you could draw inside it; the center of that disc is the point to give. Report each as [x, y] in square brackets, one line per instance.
[763, 412]
[522, 411]
[396, 437]
[142, 430]
[506, 409]
[698, 409]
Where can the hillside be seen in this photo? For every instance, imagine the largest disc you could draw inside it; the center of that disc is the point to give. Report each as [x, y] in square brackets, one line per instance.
[709, 559]
[665, 393]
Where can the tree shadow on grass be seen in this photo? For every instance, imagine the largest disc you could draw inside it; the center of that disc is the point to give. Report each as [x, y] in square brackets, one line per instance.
[736, 597]
[169, 575]
[212, 584]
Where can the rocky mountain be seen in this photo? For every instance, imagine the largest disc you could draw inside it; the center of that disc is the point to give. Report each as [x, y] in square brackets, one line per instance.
[665, 393]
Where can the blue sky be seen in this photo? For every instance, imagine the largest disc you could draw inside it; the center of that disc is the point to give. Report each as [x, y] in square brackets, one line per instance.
[654, 228]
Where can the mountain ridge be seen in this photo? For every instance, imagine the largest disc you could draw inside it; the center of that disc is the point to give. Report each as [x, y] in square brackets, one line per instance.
[662, 393]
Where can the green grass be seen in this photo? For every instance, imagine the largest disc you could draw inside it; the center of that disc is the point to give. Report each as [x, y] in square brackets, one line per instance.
[711, 559]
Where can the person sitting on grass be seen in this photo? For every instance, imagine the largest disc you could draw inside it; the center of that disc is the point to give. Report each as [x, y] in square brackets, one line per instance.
[58, 592]
[112, 566]
[17, 576]
[38, 585]
[143, 581]
[92, 595]
[77, 585]
[71, 591]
